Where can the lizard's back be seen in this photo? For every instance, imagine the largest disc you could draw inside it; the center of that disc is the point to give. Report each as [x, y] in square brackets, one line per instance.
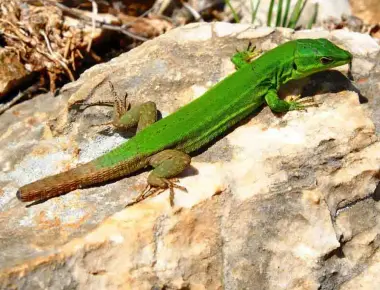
[200, 121]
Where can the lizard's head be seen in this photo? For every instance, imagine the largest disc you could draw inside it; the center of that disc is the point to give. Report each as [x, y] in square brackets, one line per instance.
[314, 55]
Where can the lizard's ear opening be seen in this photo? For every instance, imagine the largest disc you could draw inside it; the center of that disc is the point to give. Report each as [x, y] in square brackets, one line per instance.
[294, 66]
[297, 69]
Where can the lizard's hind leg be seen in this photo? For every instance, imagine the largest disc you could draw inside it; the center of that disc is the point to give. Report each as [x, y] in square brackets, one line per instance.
[167, 164]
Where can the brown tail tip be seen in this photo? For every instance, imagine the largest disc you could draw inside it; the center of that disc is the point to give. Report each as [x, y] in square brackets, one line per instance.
[18, 195]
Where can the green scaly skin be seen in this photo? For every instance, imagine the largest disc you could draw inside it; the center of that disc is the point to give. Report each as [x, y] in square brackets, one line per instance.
[164, 145]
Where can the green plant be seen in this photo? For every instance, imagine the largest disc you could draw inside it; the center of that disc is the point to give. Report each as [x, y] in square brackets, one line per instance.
[281, 19]
[235, 15]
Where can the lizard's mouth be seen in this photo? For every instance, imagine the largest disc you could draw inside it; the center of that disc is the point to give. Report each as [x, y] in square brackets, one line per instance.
[345, 58]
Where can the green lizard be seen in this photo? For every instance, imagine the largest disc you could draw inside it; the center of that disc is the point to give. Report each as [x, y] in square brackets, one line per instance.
[165, 144]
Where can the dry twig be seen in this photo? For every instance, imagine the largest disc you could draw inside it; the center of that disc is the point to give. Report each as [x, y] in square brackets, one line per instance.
[99, 24]
[93, 23]
[31, 90]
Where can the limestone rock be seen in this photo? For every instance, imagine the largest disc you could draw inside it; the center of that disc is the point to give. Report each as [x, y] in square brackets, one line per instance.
[368, 10]
[280, 202]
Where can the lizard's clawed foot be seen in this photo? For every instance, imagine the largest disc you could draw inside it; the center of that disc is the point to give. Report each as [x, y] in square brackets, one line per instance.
[243, 57]
[102, 124]
[250, 53]
[292, 98]
[171, 185]
[150, 191]
[298, 103]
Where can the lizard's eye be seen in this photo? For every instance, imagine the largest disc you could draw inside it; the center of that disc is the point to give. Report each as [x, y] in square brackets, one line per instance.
[326, 60]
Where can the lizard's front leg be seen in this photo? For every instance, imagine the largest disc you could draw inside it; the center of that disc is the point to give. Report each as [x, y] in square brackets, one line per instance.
[167, 164]
[244, 57]
[282, 106]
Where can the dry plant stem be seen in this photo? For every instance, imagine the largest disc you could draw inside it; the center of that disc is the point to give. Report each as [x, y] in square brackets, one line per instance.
[67, 49]
[51, 81]
[95, 56]
[17, 31]
[98, 23]
[72, 60]
[196, 15]
[159, 6]
[93, 23]
[128, 24]
[56, 57]
[79, 53]
[10, 35]
[6, 106]
[11, 48]
[212, 4]
[32, 89]
[122, 30]
[52, 54]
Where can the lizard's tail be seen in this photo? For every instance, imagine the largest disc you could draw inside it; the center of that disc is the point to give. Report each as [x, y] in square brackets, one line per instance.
[57, 184]
[82, 176]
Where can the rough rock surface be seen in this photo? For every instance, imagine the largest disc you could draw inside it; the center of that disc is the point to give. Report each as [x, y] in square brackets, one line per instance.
[281, 202]
[368, 10]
